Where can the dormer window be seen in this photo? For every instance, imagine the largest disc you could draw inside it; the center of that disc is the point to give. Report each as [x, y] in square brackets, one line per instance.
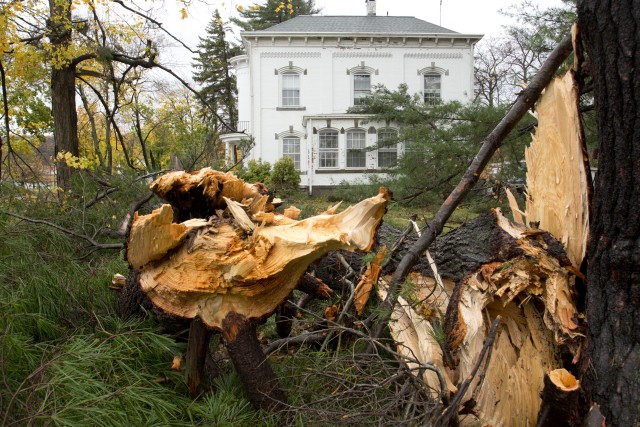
[290, 90]
[361, 88]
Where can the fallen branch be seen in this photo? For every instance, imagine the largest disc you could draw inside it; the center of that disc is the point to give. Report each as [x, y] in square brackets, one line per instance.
[492, 142]
[452, 409]
[90, 240]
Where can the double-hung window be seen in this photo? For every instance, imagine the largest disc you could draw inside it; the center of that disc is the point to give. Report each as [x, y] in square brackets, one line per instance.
[291, 148]
[361, 87]
[328, 149]
[356, 142]
[432, 83]
[387, 148]
[291, 90]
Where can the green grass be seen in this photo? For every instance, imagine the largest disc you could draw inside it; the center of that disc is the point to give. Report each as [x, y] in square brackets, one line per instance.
[68, 359]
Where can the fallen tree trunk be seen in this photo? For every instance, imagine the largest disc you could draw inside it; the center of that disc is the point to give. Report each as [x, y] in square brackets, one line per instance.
[490, 268]
[218, 253]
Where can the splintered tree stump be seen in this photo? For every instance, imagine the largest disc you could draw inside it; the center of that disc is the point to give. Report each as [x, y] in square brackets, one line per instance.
[489, 268]
[560, 400]
[219, 253]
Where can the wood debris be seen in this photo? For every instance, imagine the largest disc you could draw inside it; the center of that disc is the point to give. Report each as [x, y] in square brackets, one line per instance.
[244, 262]
[513, 273]
[557, 173]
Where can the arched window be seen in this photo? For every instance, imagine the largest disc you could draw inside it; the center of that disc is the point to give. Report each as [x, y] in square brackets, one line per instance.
[328, 148]
[356, 142]
[387, 148]
[291, 148]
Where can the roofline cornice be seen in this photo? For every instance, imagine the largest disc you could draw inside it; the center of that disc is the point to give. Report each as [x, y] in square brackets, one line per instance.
[261, 34]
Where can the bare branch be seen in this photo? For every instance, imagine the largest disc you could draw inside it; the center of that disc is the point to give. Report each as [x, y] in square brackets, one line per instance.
[86, 238]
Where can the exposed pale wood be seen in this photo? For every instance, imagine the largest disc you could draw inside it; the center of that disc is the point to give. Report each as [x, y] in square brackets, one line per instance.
[557, 182]
[152, 236]
[368, 280]
[198, 194]
[528, 287]
[237, 211]
[292, 212]
[518, 215]
[220, 269]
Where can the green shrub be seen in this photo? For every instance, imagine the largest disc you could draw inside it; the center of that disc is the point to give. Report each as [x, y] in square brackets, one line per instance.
[256, 171]
[285, 179]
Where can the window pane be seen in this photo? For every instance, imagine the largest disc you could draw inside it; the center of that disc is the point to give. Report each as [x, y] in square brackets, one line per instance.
[290, 90]
[356, 156]
[361, 87]
[387, 154]
[329, 139]
[328, 155]
[432, 84]
[291, 148]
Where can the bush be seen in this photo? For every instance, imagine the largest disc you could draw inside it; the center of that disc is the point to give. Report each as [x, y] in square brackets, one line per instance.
[285, 179]
[256, 171]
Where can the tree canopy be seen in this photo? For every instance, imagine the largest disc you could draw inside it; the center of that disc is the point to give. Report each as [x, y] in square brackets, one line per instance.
[259, 16]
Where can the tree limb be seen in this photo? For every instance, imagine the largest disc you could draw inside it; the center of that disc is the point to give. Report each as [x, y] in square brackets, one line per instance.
[86, 238]
[492, 142]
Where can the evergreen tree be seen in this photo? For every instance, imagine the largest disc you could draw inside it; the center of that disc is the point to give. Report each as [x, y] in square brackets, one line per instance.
[213, 72]
[440, 141]
[261, 16]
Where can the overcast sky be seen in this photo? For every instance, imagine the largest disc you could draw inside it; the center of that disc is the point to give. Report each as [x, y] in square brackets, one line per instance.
[462, 16]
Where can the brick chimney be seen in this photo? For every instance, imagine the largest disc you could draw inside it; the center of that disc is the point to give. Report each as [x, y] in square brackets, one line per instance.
[371, 7]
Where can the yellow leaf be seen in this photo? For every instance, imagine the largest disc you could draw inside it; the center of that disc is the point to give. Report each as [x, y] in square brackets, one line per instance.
[183, 13]
[240, 8]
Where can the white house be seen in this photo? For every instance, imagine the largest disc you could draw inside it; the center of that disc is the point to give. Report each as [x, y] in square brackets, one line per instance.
[298, 79]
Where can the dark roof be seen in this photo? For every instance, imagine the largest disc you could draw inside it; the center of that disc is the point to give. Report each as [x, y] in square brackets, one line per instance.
[356, 24]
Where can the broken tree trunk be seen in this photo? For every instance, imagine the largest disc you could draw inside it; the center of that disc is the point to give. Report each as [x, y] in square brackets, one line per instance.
[492, 142]
[560, 400]
[219, 253]
[490, 267]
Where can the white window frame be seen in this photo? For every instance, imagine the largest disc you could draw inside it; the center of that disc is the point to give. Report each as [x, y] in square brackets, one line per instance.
[360, 94]
[432, 88]
[328, 149]
[355, 148]
[291, 148]
[385, 152]
[293, 99]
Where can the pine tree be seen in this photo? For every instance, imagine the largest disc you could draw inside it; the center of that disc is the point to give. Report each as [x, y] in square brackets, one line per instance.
[261, 16]
[213, 72]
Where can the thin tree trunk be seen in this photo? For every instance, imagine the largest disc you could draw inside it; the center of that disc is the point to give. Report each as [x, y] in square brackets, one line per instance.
[612, 366]
[7, 125]
[92, 123]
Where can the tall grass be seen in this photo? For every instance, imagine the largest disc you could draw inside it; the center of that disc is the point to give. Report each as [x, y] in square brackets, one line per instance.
[68, 359]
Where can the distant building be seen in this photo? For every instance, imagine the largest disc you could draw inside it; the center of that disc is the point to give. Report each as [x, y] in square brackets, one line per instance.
[299, 77]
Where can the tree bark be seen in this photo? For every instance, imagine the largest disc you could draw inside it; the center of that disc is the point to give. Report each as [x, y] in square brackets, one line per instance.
[612, 43]
[63, 96]
[197, 347]
[260, 382]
